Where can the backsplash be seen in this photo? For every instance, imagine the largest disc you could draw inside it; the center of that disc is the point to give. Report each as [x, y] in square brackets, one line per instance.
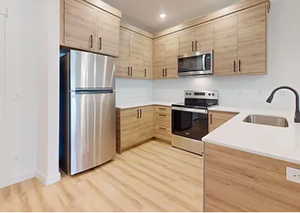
[130, 91]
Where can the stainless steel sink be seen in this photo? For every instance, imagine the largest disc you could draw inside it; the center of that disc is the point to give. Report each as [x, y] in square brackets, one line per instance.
[267, 120]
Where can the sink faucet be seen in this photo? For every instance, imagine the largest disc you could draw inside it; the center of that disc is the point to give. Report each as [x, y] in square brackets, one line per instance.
[297, 114]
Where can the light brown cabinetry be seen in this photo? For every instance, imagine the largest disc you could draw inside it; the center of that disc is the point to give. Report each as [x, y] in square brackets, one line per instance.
[165, 57]
[240, 42]
[237, 181]
[136, 52]
[217, 118]
[87, 27]
[197, 39]
[134, 126]
[163, 123]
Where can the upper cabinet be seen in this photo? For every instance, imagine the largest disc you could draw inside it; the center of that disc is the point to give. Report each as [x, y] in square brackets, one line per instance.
[165, 57]
[196, 39]
[136, 53]
[88, 27]
[240, 42]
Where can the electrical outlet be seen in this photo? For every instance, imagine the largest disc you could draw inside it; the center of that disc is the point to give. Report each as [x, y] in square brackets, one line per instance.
[293, 174]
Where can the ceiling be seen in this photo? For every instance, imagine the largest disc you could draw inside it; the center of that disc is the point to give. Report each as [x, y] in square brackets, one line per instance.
[145, 14]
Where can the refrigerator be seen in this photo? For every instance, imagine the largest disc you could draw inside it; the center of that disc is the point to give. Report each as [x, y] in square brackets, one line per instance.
[87, 110]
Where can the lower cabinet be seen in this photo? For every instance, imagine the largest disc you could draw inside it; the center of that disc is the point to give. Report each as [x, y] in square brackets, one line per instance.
[134, 126]
[217, 118]
[237, 181]
[137, 125]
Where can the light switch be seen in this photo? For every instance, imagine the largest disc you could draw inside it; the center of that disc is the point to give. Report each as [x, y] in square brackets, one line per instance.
[293, 174]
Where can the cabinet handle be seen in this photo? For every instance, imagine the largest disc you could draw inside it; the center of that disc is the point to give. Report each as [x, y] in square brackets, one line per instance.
[141, 113]
[210, 117]
[162, 115]
[138, 113]
[193, 46]
[162, 109]
[163, 72]
[131, 71]
[100, 43]
[240, 65]
[234, 66]
[196, 45]
[128, 71]
[162, 128]
[166, 72]
[145, 72]
[91, 39]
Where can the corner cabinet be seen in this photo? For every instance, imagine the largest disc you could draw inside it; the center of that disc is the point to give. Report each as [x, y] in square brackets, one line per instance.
[134, 126]
[240, 42]
[165, 57]
[87, 26]
[135, 60]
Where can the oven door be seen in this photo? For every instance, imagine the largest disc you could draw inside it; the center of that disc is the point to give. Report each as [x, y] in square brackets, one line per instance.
[189, 123]
[196, 64]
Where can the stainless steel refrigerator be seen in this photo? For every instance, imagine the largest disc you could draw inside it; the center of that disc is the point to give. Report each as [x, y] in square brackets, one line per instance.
[87, 110]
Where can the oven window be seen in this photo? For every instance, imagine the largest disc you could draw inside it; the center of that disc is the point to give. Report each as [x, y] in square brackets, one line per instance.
[189, 124]
[194, 63]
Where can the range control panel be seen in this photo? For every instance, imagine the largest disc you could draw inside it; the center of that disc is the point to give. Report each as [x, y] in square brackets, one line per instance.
[201, 94]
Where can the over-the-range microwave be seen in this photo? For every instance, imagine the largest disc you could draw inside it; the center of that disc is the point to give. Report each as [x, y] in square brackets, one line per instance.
[199, 63]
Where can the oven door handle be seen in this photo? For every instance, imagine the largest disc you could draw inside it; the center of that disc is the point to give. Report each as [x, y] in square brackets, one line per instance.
[202, 111]
[203, 62]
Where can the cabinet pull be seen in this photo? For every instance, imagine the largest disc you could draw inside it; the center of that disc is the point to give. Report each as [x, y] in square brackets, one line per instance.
[162, 128]
[162, 115]
[141, 113]
[91, 40]
[210, 118]
[234, 66]
[163, 72]
[166, 72]
[196, 45]
[100, 43]
[164, 109]
[145, 72]
[131, 71]
[138, 113]
[128, 71]
[193, 46]
[240, 65]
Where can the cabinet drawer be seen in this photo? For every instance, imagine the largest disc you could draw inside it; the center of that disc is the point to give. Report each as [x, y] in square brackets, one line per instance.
[163, 133]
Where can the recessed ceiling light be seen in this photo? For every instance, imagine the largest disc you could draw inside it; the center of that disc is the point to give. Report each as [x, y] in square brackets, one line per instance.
[163, 15]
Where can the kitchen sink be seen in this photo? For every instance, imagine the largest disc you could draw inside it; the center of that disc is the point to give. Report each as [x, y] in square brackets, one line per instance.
[267, 120]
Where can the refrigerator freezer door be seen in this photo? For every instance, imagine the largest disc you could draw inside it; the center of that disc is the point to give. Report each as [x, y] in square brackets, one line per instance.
[93, 129]
[90, 71]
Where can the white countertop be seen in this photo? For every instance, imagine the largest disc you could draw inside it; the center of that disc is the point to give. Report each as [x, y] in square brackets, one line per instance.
[275, 142]
[141, 104]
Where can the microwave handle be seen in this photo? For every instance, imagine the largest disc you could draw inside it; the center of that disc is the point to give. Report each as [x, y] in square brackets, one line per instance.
[203, 62]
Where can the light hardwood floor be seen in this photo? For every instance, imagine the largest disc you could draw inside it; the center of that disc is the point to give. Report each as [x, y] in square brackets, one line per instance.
[150, 177]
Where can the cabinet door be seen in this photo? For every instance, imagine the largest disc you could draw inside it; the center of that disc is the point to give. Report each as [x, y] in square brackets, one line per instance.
[79, 25]
[108, 32]
[204, 37]
[252, 40]
[137, 56]
[123, 62]
[129, 128]
[148, 57]
[146, 124]
[159, 58]
[171, 56]
[163, 123]
[225, 45]
[186, 42]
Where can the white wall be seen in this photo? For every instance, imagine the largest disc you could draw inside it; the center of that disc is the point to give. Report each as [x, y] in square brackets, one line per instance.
[252, 91]
[29, 124]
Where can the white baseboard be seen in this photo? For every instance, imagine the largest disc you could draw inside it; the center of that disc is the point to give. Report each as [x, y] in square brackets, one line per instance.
[48, 180]
[17, 179]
